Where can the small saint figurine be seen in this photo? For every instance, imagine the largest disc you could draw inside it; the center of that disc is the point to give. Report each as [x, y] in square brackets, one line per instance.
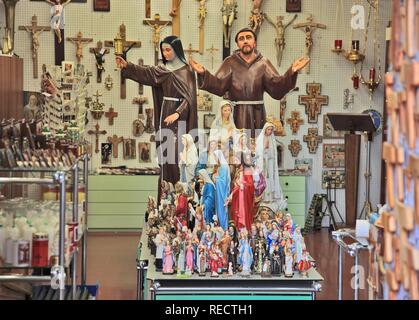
[245, 258]
[188, 159]
[202, 260]
[190, 264]
[160, 241]
[304, 265]
[276, 261]
[208, 196]
[230, 269]
[214, 263]
[289, 264]
[168, 259]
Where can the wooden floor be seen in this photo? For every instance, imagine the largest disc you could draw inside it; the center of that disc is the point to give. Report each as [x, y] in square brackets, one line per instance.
[111, 264]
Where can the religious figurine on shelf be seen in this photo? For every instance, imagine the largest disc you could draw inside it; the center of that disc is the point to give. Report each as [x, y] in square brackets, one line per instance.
[181, 257]
[57, 16]
[273, 236]
[304, 264]
[245, 258]
[257, 75]
[174, 92]
[207, 235]
[222, 188]
[260, 253]
[242, 197]
[160, 241]
[223, 130]
[299, 244]
[217, 230]
[207, 159]
[181, 205]
[289, 263]
[215, 262]
[224, 246]
[232, 231]
[229, 11]
[190, 263]
[199, 219]
[202, 260]
[267, 163]
[289, 224]
[191, 215]
[167, 259]
[207, 197]
[276, 261]
[188, 159]
[232, 255]
[266, 268]
[240, 146]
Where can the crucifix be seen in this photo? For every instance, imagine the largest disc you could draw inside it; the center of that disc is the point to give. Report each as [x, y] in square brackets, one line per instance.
[175, 14]
[212, 51]
[190, 51]
[97, 132]
[127, 46]
[99, 53]
[148, 8]
[308, 28]
[282, 108]
[140, 86]
[313, 101]
[110, 114]
[80, 42]
[157, 25]
[229, 14]
[35, 31]
[295, 121]
[140, 101]
[202, 14]
[295, 147]
[115, 140]
[312, 139]
[257, 17]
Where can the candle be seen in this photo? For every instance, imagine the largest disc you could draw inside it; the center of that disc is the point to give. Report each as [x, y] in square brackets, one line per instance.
[338, 44]
[355, 80]
[355, 45]
[372, 74]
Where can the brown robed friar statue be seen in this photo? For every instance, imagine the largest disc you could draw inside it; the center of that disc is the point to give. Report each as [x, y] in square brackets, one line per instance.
[244, 77]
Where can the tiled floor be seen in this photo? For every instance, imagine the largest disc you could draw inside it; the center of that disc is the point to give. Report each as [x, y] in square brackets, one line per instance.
[111, 264]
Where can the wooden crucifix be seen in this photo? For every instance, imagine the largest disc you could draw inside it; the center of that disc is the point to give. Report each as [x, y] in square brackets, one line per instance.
[312, 139]
[148, 8]
[80, 42]
[295, 147]
[140, 101]
[175, 14]
[313, 101]
[115, 140]
[308, 28]
[97, 132]
[35, 31]
[111, 114]
[157, 25]
[99, 53]
[202, 14]
[212, 52]
[127, 45]
[190, 51]
[295, 121]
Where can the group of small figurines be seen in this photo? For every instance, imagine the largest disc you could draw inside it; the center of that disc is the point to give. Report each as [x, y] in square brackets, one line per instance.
[185, 245]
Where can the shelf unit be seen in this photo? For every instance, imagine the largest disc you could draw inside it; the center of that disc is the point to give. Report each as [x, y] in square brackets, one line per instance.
[58, 177]
[294, 189]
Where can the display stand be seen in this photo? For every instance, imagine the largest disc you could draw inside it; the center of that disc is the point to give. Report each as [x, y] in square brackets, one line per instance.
[59, 177]
[255, 287]
[352, 123]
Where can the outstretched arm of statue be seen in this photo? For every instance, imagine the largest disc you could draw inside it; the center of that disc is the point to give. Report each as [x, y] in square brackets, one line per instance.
[216, 84]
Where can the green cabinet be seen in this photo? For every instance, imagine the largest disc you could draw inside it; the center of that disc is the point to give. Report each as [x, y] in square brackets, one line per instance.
[294, 189]
[119, 202]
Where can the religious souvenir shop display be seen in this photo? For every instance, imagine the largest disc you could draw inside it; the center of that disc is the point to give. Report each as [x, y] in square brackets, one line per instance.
[29, 232]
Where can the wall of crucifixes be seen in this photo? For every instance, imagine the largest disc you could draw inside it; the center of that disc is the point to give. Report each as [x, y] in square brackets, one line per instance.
[328, 69]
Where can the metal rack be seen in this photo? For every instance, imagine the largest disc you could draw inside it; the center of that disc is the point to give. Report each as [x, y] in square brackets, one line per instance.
[353, 250]
[59, 177]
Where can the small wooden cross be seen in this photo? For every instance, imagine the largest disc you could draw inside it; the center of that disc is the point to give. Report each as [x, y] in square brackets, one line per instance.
[190, 51]
[313, 139]
[140, 86]
[212, 51]
[80, 42]
[127, 45]
[175, 14]
[115, 140]
[140, 101]
[35, 31]
[313, 101]
[295, 121]
[294, 147]
[97, 132]
[111, 115]
[99, 53]
[157, 25]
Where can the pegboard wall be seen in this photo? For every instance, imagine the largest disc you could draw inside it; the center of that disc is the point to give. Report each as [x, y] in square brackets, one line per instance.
[327, 68]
